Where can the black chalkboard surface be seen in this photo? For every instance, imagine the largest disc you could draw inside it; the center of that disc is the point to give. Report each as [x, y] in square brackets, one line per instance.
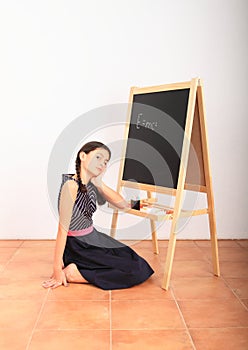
[155, 137]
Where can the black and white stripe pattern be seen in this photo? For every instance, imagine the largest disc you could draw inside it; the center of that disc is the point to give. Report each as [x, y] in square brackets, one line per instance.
[84, 206]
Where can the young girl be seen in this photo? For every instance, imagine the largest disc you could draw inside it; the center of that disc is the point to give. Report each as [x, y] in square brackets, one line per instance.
[82, 254]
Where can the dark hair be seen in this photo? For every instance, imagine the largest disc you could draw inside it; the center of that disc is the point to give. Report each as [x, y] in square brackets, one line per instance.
[87, 148]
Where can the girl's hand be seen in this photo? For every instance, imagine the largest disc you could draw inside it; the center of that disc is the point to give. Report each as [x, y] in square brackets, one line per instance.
[57, 279]
[97, 180]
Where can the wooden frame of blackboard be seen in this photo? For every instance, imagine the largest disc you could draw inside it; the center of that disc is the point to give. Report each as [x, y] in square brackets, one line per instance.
[195, 131]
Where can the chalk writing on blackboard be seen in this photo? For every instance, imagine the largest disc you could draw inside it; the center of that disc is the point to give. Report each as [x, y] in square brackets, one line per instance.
[155, 138]
[145, 123]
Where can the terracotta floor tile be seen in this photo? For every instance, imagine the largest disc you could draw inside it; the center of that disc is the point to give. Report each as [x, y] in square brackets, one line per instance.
[151, 340]
[27, 270]
[234, 269]
[37, 254]
[145, 314]
[21, 289]
[145, 244]
[206, 253]
[228, 254]
[141, 250]
[201, 288]
[75, 315]
[11, 243]
[13, 339]
[228, 243]
[148, 245]
[221, 243]
[151, 258]
[163, 243]
[183, 253]
[185, 243]
[162, 255]
[214, 313]
[73, 339]
[233, 254]
[203, 243]
[6, 254]
[245, 302]
[188, 253]
[39, 243]
[243, 243]
[220, 338]
[239, 286]
[149, 290]
[191, 268]
[19, 314]
[77, 291]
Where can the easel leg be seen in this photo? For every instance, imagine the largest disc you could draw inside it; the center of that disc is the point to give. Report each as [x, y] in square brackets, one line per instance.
[180, 183]
[154, 237]
[213, 234]
[153, 229]
[114, 223]
[210, 196]
[169, 259]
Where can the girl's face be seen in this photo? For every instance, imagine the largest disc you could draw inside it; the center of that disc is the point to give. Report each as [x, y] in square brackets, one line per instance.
[95, 162]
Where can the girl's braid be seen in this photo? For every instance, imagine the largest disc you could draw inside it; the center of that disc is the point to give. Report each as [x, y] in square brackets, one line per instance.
[82, 186]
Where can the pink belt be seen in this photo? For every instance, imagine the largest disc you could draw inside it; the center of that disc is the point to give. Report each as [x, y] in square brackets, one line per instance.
[82, 232]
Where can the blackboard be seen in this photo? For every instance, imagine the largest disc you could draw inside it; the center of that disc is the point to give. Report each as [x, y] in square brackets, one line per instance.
[155, 137]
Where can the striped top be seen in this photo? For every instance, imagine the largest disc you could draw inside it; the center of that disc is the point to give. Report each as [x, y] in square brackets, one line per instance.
[84, 206]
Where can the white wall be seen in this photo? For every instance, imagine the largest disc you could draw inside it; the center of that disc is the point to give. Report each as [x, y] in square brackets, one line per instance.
[61, 59]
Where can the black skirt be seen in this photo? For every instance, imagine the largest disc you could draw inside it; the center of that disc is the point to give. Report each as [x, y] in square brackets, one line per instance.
[106, 262]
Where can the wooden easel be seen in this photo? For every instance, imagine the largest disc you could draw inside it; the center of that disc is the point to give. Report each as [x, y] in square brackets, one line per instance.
[196, 134]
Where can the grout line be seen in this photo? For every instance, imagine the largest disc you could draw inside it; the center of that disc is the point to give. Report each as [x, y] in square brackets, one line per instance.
[204, 299]
[37, 320]
[73, 329]
[11, 258]
[21, 244]
[224, 327]
[184, 322]
[235, 294]
[243, 247]
[110, 321]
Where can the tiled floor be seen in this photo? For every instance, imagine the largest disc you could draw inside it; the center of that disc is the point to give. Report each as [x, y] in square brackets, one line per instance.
[199, 311]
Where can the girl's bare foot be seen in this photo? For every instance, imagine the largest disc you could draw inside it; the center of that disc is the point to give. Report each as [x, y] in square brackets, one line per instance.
[73, 275]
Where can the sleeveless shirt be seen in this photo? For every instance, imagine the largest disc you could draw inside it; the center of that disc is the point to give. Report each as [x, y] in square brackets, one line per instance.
[84, 206]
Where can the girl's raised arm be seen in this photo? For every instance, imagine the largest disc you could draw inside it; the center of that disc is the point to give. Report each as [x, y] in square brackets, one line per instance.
[109, 194]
